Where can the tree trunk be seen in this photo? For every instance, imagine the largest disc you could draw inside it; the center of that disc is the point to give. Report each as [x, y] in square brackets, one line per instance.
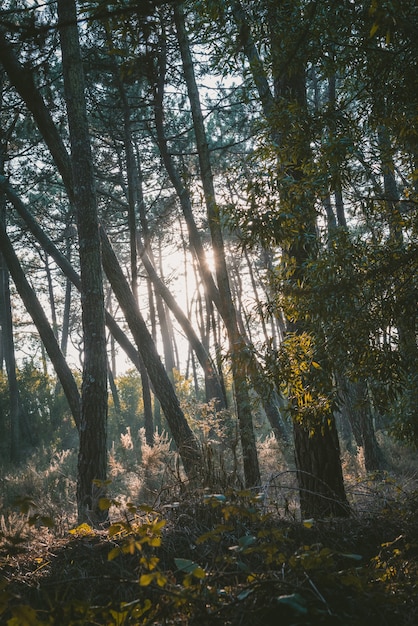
[319, 473]
[40, 320]
[357, 408]
[6, 323]
[180, 430]
[237, 345]
[317, 455]
[10, 361]
[92, 460]
[67, 268]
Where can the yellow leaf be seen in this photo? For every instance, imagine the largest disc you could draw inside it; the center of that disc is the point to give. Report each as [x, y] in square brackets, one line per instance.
[374, 30]
[199, 572]
[105, 504]
[23, 615]
[146, 579]
[155, 542]
[157, 525]
[115, 529]
[161, 580]
[113, 553]
[83, 530]
[101, 483]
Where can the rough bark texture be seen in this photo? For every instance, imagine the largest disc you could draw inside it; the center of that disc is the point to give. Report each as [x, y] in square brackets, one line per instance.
[317, 456]
[319, 472]
[92, 461]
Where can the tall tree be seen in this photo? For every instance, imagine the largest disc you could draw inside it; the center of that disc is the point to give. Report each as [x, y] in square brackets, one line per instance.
[92, 460]
[237, 345]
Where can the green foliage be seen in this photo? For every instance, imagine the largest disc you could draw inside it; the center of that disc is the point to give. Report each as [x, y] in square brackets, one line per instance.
[45, 415]
[402, 414]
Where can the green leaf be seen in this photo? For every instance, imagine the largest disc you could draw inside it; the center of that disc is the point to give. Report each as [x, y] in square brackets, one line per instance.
[353, 557]
[105, 504]
[216, 496]
[190, 567]
[246, 541]
[25, 504]
[244, 594]
[115, 529]
[294, 601]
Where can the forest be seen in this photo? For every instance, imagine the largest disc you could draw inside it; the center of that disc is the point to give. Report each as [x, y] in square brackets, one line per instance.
[208, 312]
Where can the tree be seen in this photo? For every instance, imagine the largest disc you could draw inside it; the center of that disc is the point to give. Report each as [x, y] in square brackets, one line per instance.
[92, 460]
[237, 345]
[317, 452]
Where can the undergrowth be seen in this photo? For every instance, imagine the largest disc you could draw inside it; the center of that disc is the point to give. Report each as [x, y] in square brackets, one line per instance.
[218, 555]
[213, 558]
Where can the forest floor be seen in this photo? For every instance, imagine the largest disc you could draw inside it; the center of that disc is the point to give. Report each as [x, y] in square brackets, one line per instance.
[221, 559]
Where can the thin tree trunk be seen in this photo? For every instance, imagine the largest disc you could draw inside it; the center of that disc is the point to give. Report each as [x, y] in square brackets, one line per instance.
[180, 430]
[6, 323]
[358, 410]
[10, 361]
[66, 267]
[25, 86]
[406, 320]
[40, 320]
[67, 304]
[135, 200]
[237, 345]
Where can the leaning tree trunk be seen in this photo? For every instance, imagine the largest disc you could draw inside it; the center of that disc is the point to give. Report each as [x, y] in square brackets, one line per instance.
[236, 342]
[180, 430]
[46, 333]
[92, 460]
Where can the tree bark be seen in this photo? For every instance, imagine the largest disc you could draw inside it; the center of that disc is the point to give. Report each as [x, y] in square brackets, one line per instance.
[92, 459]
[317, 455]
[10, 362]
[319, 473]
